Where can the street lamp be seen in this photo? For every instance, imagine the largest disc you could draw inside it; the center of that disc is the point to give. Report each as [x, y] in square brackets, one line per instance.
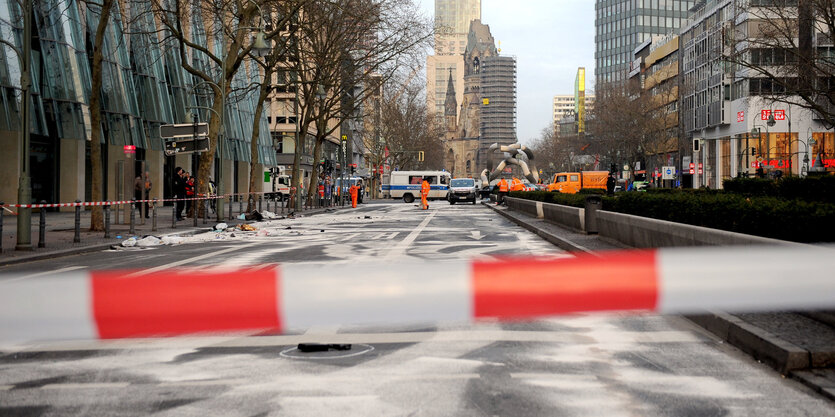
[24, 190]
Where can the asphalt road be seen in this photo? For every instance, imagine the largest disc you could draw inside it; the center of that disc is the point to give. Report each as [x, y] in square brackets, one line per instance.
[584, 365]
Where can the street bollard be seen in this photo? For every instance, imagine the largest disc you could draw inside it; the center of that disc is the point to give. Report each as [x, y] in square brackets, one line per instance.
[260, 203]
[107, 221]
[231, 199]
[133, 217]
[240, 206]
[174, 216]
[42, 227]
[77, 237]
[154, 216]
[195, 211]
[205, 211]
[592, 205]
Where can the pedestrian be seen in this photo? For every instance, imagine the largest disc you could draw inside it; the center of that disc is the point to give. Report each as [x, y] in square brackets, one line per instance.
[179, 192]
[328, 190]
[503, 188]
[354, 192]
[137, 192]
[212, 196]
[321, 193]
[424, 194]
[610, 184]
[189, 188]
[147, 186]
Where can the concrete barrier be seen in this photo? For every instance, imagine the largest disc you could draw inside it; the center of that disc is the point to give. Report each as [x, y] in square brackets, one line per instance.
[637, 231]
[644, 232]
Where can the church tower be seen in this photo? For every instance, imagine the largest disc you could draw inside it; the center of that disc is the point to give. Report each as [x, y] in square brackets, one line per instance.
[451, 107]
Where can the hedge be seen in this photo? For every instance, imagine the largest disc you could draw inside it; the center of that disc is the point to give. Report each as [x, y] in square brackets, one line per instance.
[779, 218]
[820, 189]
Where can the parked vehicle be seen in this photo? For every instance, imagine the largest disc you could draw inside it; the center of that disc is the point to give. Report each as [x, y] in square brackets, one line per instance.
[406, 184]
[346, 188]
[276, 184]
[462, 189]
[572, 182]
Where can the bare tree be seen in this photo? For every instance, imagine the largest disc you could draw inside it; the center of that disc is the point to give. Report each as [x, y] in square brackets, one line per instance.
[784, 50]
[344, 49]
[213, 37]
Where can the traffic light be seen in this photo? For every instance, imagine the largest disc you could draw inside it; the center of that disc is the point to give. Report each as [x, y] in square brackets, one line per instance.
[421, 155]
[697, 144]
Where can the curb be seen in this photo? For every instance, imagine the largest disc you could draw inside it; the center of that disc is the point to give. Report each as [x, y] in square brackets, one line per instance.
[79, 250]
[550, 237]
[760, 344]
[785, 357]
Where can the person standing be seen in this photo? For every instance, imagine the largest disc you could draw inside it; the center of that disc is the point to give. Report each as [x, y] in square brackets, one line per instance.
[179, 192]
[503, 188]
[138, 185]
[424, 194]
[189, 188]
[147, 195]
[354, 194]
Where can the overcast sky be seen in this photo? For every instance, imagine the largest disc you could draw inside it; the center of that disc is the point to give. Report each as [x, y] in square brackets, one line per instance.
[550, 39]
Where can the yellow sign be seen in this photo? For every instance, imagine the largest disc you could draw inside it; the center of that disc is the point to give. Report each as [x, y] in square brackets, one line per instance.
[485, 101]
[344, 138]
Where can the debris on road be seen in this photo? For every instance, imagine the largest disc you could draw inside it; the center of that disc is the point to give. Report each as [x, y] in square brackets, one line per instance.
[322, 347]
[247, 228]
[221, 226]
[148, 241]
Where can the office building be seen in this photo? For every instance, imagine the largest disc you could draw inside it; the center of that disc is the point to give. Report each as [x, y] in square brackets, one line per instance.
[563, 107]
[452, 24]
[621, 25]
[741, 127]
[144, 86]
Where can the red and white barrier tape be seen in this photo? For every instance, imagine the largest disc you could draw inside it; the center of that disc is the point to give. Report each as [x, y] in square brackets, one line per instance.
[124, 304]
[115, 203]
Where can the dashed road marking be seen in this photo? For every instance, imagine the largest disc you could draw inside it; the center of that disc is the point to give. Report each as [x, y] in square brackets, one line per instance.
[191, 259]
[401, 247]
[90, 385]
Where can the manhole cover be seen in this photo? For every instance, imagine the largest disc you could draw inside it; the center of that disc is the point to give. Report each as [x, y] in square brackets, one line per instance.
[356, 350]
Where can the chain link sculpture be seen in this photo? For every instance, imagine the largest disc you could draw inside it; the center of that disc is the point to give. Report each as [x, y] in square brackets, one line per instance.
[510, 158]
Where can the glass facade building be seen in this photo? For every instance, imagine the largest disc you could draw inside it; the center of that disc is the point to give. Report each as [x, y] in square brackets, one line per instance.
[143, 87]
[622, 25]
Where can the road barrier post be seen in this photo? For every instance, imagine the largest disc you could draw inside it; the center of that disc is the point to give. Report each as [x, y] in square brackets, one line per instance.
[107, 221]
[206, 211]
[260, 203]
[592, 205]
[240, 206]
[195, 211]
[174, 215]
[133, 217]
[231, 200]
[42, 227]
[154, 216]
[77, 237]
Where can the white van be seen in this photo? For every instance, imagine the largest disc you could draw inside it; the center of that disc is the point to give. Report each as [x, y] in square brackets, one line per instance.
[406, 184]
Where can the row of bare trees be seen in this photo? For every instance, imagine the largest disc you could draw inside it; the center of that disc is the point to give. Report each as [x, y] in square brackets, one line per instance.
[329, 51]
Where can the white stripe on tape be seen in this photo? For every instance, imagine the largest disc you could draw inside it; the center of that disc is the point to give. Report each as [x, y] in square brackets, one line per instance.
[375, 294]
[47, 309]
[755, 278]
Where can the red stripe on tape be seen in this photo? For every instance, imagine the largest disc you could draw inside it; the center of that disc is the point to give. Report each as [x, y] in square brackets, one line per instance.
[191, 302]
[617, 281]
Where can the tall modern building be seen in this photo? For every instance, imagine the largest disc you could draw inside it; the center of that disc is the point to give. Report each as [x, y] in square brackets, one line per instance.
[144, 86]
[452, 24]
[622, 25]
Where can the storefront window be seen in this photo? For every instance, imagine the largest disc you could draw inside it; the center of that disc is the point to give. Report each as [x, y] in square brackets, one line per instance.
[725, 159]
[824, 145]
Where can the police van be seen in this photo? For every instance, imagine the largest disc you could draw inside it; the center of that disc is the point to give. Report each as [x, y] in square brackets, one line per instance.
[406, 184]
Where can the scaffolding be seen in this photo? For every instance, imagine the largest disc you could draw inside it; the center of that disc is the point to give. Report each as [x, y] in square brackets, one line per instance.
[498, 107]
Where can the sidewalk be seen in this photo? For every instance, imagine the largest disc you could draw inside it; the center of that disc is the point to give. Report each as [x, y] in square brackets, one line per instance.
[60, 231]
[799, 345]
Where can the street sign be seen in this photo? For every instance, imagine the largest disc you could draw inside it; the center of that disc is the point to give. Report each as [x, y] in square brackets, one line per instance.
[130, 149]
[174, 147]
[668, 173]
[184, 130]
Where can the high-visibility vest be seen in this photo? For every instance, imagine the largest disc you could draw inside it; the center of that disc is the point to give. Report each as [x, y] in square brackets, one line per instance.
[425, 187]
[321, 191]
[503, 186]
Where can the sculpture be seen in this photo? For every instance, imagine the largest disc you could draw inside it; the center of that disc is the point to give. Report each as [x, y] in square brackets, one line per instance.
[510, 157]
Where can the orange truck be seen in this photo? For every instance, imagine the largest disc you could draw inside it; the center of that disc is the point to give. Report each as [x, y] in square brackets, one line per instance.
[572, 182]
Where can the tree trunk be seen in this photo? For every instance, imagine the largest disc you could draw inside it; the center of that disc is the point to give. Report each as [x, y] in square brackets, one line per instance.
[96, 216]
[255, 169]
[313, 189]
[207, 158]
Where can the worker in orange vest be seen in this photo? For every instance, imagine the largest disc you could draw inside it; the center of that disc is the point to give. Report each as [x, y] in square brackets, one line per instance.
[424, 194]
[503, 187]
[354, 192]
[321, 194]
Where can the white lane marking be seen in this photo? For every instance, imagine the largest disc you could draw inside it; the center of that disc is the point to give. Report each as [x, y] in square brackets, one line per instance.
[6, 387]
[202, 383]
[91, 385]
[476, 234]
[386, 236]
[40, 274]
[322, 330]
[329, 399]
[190, 260]
[404, 244]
